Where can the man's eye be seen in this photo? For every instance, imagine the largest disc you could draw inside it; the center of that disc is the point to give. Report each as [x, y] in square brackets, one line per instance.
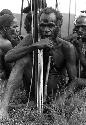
[76, 29]
[51, 25]
[42, 25]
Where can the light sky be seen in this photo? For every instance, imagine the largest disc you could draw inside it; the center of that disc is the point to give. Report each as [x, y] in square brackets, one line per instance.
[63, 5]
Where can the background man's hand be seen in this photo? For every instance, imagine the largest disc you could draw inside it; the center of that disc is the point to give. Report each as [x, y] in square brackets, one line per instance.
[78, 44]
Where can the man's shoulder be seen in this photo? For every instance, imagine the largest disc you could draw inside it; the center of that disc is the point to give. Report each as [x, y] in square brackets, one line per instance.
[5, 44]
[64, 43]
[67, 44]
[68, 50]
[4, 41]
[70, 37]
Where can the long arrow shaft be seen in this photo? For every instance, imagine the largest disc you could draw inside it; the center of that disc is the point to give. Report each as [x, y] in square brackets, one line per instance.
[21, 16]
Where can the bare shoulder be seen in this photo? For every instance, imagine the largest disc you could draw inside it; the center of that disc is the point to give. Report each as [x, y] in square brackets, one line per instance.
[5, 44]
[65, 44]
[69, 51]
[68, 45]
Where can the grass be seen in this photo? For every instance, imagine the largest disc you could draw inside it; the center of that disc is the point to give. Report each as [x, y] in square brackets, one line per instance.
[67, 109]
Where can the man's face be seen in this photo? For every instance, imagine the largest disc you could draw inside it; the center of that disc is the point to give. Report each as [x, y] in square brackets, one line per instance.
[81, 30]
[47, 25]
[13, 30]
[14, 26]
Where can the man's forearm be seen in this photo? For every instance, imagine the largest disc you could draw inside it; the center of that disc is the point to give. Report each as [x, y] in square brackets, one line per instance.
[83, 60]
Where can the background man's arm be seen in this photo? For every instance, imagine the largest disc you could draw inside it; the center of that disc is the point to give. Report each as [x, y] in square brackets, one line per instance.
[71, 62]
[79, 47]
[20, 50]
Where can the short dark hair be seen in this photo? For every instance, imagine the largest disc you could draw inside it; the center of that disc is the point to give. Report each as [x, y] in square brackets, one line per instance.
[6, 11]
[48, 10]
[6, 21]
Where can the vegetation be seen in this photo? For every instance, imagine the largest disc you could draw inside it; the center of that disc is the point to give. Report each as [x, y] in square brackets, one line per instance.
[67, 109]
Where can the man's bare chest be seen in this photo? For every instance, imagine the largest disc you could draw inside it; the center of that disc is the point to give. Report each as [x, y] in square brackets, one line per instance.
[58, 57]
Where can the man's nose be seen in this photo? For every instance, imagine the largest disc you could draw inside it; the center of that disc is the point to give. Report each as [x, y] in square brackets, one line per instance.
[18, 28]
[80, 29]
[47, 29]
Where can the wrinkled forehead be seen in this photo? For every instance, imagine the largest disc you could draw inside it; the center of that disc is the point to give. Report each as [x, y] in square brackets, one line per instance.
[48, 17]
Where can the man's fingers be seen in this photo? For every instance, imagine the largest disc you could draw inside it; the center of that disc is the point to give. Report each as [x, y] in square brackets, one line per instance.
[43, 43]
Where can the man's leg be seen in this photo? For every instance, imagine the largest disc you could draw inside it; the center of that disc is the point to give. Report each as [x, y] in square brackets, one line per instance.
[13, 82]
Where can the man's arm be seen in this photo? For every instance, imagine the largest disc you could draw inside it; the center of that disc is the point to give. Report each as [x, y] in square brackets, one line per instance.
[82, 59]
[70, 56]
[20, 50]
[79, 48]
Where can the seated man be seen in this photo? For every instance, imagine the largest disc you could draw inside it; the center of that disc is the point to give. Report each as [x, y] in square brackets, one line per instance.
[78, 39]
[62, 54]
[80, 43]
[11, 30]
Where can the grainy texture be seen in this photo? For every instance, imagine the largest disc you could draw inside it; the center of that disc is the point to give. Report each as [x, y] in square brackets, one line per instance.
[68, 109]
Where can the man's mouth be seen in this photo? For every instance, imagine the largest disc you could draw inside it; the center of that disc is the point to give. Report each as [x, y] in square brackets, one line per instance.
[47, 34]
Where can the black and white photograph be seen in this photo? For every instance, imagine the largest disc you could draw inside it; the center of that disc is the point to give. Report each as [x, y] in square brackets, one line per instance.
[43, 62]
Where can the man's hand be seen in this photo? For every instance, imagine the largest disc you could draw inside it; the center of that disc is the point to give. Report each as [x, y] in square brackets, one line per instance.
[78, 44]
[43, 43]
